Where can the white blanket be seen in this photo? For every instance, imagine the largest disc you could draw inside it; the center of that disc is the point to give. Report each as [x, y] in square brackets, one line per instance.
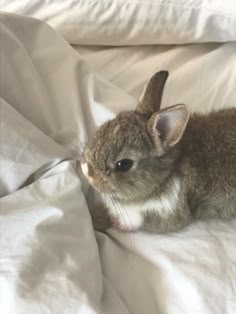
[51, 261]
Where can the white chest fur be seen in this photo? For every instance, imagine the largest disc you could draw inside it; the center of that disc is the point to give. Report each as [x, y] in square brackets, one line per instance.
[130, 217]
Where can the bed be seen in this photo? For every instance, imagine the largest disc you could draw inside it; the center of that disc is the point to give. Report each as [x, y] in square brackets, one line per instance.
[67, 67]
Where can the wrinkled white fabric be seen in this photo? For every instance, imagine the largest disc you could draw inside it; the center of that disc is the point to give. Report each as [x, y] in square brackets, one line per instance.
[134, 22]
[201, 76]
[51, 261]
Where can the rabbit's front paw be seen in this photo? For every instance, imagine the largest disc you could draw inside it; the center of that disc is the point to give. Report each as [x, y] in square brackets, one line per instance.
[121, 224]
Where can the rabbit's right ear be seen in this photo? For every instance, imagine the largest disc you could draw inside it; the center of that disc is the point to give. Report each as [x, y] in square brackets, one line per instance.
[151, 99]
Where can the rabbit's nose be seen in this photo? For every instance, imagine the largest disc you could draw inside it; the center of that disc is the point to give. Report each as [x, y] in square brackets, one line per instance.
[87, 169]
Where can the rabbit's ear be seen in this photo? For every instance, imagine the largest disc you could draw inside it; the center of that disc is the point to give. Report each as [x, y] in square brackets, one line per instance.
[167, 126]
[151, 100]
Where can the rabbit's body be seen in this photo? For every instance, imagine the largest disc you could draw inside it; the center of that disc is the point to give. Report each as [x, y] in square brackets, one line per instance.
[160, 170]
[208, 148]
[205, 166]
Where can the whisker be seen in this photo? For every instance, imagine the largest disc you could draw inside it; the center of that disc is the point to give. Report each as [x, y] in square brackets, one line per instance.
[111, 196]
[132, 238]
[115, 205]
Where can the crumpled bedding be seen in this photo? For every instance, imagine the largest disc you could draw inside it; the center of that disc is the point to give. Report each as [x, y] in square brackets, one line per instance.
[134, 22]
[51, 259]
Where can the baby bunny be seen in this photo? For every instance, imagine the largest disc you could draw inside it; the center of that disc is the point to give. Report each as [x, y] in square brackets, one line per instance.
[159, 170]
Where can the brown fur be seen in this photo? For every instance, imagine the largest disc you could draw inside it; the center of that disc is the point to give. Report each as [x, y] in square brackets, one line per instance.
[199, 150]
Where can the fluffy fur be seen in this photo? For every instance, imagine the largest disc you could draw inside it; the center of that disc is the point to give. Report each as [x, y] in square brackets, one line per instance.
[184, 166]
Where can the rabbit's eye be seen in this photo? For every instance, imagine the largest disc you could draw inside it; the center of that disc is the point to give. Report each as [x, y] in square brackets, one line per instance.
[124, 165]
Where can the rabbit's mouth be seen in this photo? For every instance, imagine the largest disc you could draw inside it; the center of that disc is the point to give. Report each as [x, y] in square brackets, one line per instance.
[99, 185]
[94, 179]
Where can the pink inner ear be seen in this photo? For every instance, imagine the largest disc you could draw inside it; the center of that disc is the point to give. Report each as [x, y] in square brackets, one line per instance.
[163, 127]
[171, 124]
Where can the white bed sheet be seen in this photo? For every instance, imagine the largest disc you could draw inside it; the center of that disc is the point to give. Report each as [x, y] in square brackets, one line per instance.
[199, 74]
[51, 260]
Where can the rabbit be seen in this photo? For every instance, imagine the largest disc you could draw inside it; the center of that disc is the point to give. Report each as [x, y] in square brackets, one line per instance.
[159, 170]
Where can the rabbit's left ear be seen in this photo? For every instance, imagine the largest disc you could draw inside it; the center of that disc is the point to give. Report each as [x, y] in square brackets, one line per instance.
[151, 100]
[167, 126]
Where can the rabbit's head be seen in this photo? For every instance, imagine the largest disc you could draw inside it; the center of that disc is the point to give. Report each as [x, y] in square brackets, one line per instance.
[133, 154]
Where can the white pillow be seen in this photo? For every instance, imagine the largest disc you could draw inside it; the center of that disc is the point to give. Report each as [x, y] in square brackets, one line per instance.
[132, 22]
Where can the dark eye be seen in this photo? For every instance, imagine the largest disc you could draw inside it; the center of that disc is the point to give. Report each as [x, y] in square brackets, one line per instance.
[124, 165]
